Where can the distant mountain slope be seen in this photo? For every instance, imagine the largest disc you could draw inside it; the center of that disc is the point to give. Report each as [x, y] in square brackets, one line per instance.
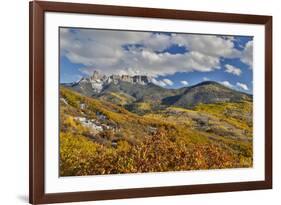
[149, 92]
[209, 92]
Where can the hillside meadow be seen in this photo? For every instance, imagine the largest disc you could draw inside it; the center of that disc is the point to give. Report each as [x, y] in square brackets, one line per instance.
[98, 136]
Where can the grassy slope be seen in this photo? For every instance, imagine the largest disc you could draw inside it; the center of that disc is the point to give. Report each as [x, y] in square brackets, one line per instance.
[117, 98]
[237, 114]
[163, 141]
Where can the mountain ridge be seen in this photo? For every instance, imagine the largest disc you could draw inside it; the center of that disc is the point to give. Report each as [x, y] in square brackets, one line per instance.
[130, 91]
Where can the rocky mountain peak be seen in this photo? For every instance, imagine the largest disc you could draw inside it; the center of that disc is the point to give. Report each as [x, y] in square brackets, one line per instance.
[96, 75]
[136, 79]
[97, 81]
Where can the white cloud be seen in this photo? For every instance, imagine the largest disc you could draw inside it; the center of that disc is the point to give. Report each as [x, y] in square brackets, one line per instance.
[168, 81]
[242, 85]
[158, 82]
[125, 52]
[157, 42]
[184, 82]
[206, 79]
[233, 70]
[227, 84]
[237, 86]
[208, 45]
[247, 54]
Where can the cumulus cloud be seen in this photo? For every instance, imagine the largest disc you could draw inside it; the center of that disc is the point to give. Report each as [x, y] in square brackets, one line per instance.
[206, 79]
[210, 45]
[184, 82]
[233, 70]
[168, 81]
[126, 52]
[247, 54]
[158, 82]
[238, 85]
[242, 85]
[227, 84]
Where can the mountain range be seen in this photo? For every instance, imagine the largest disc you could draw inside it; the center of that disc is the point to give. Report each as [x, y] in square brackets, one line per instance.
[127, 124]
[138, 93]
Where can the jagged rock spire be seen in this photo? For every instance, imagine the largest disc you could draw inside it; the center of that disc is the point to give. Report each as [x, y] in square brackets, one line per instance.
[96, 75]
[137, 79]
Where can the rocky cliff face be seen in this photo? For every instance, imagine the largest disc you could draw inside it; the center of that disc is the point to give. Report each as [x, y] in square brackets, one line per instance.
[97, 81]
[137, 79]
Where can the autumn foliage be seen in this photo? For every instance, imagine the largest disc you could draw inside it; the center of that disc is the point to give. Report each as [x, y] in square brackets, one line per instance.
[157, 142]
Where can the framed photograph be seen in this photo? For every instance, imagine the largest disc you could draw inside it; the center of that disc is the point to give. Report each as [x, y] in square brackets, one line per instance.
[139, 102]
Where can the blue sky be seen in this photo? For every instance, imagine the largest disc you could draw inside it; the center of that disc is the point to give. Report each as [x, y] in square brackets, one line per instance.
[173, 60]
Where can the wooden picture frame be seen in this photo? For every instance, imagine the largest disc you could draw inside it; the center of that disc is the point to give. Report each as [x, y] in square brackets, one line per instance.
[37, 98]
